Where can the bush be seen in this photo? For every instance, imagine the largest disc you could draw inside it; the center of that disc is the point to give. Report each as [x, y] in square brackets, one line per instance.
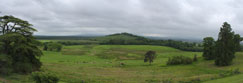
[176, 60]
[150, 56]
[230, 73]
[43, 77]
[195, 58]
[52, 46]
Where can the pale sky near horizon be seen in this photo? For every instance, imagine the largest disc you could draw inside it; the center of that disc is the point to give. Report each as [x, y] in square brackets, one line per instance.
[159, 18]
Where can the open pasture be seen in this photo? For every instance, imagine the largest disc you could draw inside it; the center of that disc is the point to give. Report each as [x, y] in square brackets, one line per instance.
[102, 63]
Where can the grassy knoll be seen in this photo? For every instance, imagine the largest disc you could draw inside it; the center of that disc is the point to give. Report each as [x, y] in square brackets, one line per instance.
[101, 63]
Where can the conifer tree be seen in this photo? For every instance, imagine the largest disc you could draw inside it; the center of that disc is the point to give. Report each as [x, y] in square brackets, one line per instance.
[225, 46]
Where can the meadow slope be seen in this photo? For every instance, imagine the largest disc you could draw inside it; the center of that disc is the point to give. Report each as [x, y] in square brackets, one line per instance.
[101, 63]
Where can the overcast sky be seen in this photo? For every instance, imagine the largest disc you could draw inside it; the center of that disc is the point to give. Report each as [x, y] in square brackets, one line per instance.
[161, 18]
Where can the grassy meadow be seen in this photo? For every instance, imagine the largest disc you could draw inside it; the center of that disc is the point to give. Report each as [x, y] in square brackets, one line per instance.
[101, 64]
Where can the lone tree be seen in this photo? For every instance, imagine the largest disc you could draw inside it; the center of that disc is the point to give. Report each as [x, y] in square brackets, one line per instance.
[19, 45]
[208, 50]
[150, 56]
[226, 45]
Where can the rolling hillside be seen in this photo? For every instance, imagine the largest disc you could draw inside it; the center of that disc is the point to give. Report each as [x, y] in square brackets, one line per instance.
[101, 63]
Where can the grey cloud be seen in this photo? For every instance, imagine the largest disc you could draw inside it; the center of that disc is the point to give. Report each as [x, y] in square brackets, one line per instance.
[165, 18]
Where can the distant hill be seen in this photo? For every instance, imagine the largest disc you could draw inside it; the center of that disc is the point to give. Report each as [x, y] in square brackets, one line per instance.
[122, 38]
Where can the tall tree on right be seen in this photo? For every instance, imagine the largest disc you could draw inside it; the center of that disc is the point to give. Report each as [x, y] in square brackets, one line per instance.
[237, 40]
[225, 46]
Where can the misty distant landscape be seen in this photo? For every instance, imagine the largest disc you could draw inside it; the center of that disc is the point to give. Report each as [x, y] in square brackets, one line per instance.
[121, 41]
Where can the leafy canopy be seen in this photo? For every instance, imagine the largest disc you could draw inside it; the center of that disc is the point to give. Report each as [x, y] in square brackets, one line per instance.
[19, 45]
[13, 24]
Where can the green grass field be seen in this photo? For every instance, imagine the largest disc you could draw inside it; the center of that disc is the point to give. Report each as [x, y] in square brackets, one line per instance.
[101, 64]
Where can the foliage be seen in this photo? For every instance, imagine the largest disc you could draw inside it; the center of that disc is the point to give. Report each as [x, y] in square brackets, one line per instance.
[226, 45]
[13, 24]
[230, 72]
[43, 77]
[195, 58]
[19, 45]
[52, 46]
[237, 39]
[209, 48]
[45, 48]
[150, 56]
[23, 52]
[176, 60]
[5, 65]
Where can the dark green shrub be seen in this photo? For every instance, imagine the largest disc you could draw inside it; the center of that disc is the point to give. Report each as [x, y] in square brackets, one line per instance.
[45, 48]
[176, 60]
[150, 56]
[52, 46]
[236, 71]
[195, 58]
[43, 77]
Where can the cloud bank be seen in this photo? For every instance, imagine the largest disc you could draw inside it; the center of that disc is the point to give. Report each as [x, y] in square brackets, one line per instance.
[160, 18]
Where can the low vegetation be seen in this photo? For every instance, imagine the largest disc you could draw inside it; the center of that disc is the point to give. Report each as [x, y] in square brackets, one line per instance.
[176, 60]
[52, 46]
[150, 56]
[43, 77]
